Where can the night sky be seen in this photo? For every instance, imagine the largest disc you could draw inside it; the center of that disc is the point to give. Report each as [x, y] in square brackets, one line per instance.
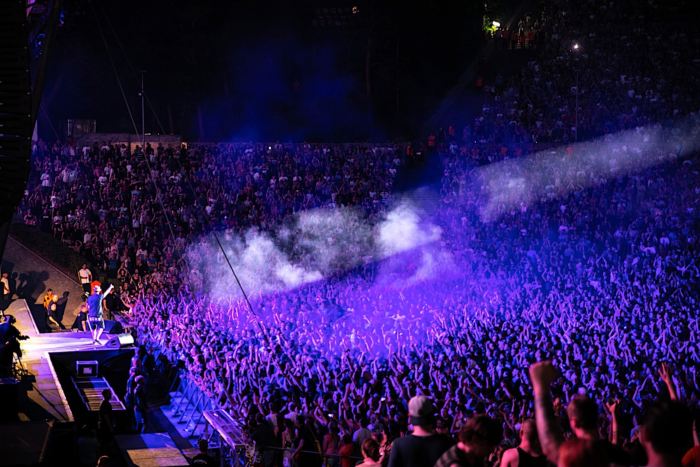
[241, 70]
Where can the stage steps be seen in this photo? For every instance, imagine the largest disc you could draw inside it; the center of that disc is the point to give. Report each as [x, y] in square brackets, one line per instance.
[90, 391]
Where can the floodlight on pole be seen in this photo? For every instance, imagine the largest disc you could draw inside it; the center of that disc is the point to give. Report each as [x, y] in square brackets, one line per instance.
[575, 48]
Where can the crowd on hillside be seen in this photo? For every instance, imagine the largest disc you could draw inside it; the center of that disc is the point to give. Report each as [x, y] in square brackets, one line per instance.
[601, 280]
[133, 214]
[608, 293]
[640, 75]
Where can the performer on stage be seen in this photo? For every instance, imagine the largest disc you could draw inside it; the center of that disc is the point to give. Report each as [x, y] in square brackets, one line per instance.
[94, 303]
[48, 298]
[52, 314]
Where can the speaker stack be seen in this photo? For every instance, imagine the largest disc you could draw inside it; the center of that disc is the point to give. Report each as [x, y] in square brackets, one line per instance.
[15, 106]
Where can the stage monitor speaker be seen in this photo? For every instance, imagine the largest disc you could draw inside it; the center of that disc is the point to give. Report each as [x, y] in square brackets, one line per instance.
[118, 341]
[86, 368]
[113, 327]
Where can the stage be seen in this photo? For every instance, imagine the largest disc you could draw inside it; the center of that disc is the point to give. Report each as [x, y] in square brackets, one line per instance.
[150, 449]
[49, 392]
[46, 397]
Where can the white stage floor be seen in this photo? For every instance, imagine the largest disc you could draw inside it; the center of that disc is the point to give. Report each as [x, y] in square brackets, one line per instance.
[45, 390]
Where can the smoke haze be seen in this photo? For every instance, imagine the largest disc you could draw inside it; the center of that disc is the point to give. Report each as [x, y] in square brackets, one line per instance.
[515, 184]
[318, 243]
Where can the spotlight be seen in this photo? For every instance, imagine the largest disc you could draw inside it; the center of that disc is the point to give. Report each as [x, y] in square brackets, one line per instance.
[355, 9]
[576, 46]
[491, 26]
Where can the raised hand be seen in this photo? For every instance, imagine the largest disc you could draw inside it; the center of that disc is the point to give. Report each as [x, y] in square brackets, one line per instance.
[612, 406]
[665, 373]
[542, 374]
[667, 376]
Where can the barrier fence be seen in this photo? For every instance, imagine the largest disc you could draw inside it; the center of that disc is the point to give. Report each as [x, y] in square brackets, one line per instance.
[193, 402]
[195, 409]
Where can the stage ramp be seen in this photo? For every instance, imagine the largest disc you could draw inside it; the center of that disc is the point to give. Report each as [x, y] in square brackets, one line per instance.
[44, 396]
[33, 275]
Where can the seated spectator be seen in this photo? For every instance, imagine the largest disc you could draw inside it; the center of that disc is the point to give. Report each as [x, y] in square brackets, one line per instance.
[52, 313]
[48, 298]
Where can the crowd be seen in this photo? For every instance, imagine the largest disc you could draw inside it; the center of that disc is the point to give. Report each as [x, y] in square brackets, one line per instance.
[601, 281]
[133, 215]
[521, 33]
[643, 75]
[607, 293]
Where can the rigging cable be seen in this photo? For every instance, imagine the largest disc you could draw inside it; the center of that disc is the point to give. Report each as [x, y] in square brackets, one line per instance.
[251, 309]
[133, 121]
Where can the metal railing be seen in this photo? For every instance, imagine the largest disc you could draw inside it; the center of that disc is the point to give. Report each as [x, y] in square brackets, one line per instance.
[189, 410]
[193, 402]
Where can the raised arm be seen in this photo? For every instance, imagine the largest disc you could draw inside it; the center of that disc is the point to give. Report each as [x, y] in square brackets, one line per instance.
[542, 374]
[612, 409]
[667, 377]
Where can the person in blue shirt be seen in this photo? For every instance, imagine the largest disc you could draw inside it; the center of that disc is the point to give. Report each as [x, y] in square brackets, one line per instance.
[94, 303]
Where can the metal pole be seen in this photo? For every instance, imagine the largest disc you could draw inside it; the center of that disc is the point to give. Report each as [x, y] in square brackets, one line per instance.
[184, 397]
[143, 118]
[181, 420]
[201, 416]
[195, 408]
[576, 110]
[174, 386]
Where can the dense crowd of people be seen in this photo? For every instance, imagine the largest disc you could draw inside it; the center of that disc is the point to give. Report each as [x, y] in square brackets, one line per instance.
[601, 281]
[606, 293]
[133, 215]
[618, 81]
